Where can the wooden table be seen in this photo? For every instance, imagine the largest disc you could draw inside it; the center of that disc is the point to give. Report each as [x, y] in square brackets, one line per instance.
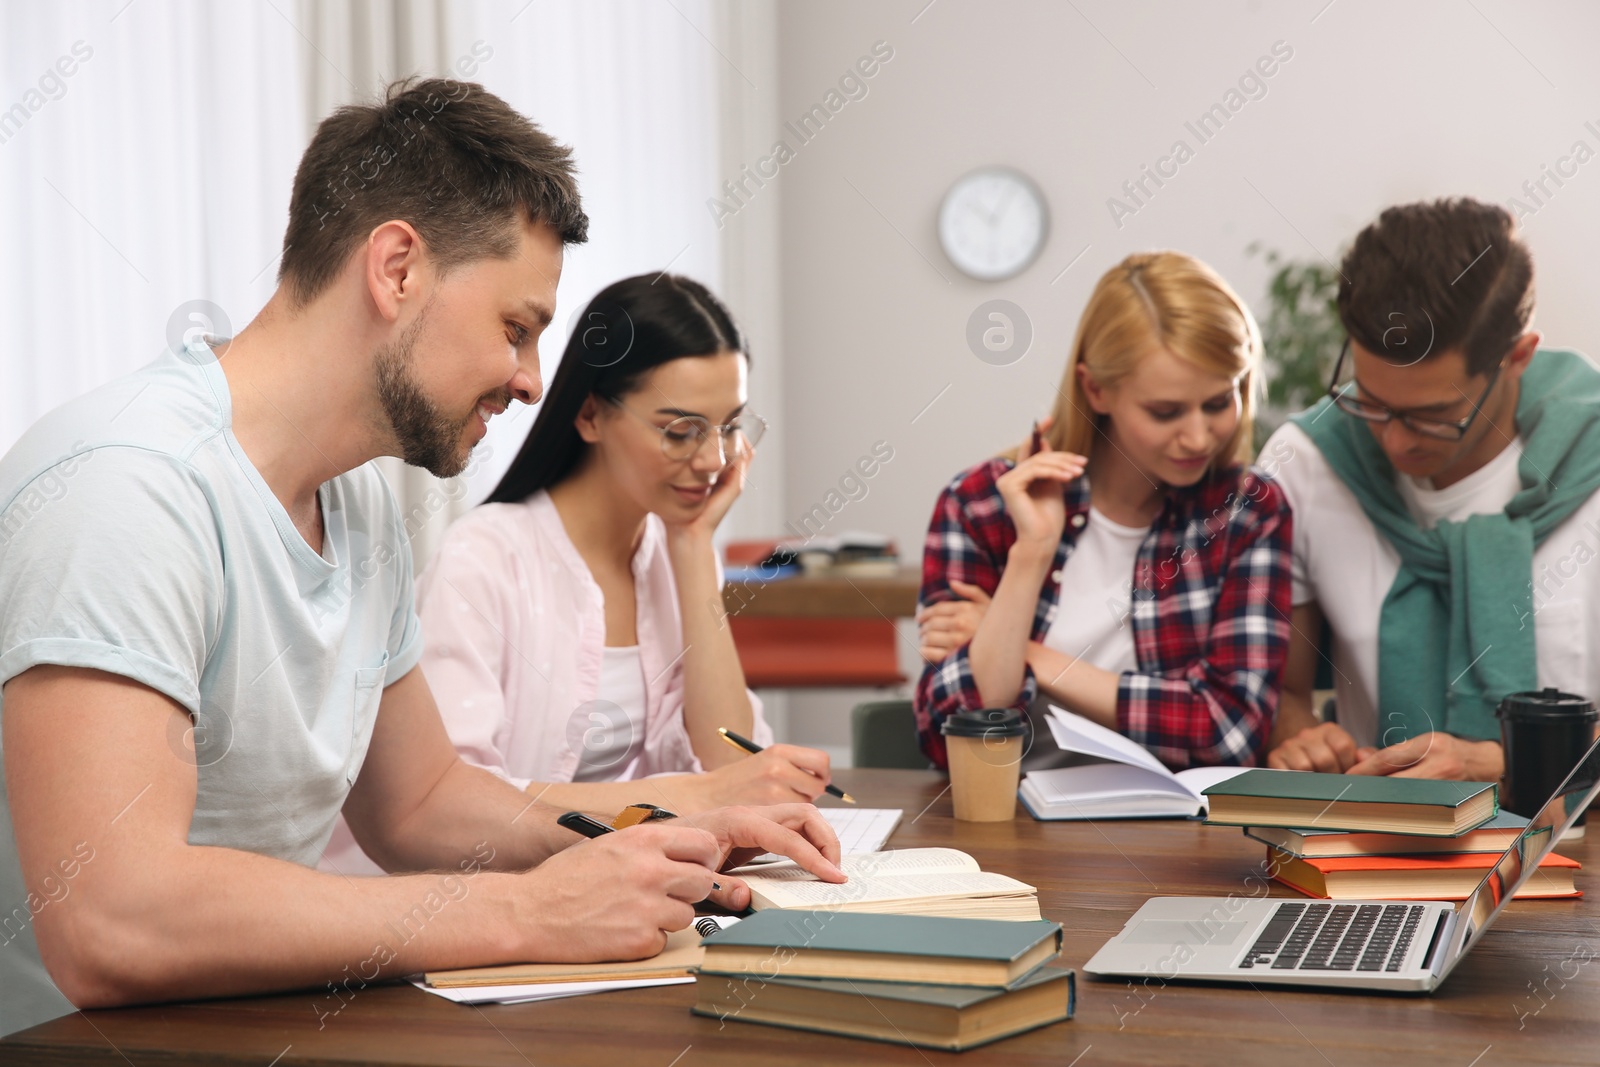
[1529, 993]
[826, 596]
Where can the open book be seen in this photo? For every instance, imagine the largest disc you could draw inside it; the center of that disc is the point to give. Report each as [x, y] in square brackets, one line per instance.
[906, 881]
[1132, 784]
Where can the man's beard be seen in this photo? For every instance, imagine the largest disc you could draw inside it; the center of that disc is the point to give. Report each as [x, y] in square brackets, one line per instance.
[428, 437]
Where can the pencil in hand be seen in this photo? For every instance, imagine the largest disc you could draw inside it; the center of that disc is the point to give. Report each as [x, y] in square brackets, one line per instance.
[751, 747]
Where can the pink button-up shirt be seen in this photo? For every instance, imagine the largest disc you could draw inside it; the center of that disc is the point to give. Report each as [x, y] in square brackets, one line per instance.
[515, 625]
[514, 629]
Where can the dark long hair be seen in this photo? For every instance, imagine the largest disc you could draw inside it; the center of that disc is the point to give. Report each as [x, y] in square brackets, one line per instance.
[629, 328]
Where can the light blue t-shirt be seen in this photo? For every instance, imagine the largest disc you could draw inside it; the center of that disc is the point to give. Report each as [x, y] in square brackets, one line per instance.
[137, 538]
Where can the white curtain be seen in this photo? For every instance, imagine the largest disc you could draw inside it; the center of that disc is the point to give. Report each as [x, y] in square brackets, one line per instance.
[158, 175]
[150, 182]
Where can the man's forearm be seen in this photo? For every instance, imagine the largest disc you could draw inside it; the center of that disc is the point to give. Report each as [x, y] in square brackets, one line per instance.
[277, 925]
[466, 807]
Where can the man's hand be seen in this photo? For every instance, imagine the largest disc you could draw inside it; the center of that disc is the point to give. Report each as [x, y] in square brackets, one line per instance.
[616, 897]
[779, 774]
[1326, 747]
[946, 626]
[1436, 755]
[795, 830]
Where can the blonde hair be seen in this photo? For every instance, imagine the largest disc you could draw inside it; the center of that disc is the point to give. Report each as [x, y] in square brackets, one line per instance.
[1164, 299]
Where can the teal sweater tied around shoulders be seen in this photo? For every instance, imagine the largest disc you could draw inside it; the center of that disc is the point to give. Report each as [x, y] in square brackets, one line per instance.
[1456, 631]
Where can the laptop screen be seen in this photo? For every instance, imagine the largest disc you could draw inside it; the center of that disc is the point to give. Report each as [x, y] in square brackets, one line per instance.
[1522, 859]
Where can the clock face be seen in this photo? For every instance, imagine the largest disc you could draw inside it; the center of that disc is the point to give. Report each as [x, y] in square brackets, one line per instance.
[993, 223]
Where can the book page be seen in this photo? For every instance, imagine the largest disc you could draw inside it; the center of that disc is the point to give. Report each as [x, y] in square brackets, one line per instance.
[1105, 781]
[1196, 779]
[870, 864]
[814, 893]
[1074, 733]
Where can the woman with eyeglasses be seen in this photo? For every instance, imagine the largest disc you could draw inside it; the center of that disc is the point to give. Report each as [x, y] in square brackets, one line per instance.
[1123, 563]
[575, 637]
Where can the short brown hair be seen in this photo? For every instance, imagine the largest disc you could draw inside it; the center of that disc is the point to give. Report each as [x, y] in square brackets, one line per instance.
[448, 157]
[1435, 277]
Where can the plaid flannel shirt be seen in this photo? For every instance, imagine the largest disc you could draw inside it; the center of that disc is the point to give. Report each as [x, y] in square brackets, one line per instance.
[1210, 611]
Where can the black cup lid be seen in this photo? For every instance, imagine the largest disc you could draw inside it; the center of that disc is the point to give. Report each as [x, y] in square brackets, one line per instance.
[1546, 703]
[989, 722]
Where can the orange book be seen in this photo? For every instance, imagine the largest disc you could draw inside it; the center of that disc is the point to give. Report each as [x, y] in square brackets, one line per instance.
[1449, 877]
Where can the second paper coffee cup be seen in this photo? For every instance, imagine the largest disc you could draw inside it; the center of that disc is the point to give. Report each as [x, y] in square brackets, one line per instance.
[985, 749]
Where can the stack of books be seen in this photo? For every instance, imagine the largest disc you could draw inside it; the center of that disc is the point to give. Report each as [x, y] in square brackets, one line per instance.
[1347, 837]
[914, 980]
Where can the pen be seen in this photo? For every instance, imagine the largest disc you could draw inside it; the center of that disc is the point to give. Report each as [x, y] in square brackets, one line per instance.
[751, 747]
[1038, 439]
[579, 823]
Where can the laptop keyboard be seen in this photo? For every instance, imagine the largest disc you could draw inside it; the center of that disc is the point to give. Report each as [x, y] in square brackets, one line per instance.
[1335, 937]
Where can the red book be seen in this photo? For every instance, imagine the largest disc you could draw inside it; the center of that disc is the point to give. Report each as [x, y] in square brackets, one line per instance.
[1435, 877]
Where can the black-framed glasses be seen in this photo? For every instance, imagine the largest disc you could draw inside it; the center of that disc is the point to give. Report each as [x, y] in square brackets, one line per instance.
[1442, 429]
[684, 436]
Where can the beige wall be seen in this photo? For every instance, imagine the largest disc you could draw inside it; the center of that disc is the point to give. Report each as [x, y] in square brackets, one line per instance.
[1379, 103]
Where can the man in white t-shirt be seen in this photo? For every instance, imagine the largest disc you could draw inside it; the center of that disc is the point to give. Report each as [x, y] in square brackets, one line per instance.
[207, 640]
[1444, 502]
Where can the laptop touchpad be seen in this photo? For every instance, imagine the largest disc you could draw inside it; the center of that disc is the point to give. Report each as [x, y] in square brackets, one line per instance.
[1192, 933]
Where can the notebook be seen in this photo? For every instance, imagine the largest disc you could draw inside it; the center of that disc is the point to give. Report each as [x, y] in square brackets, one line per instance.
[1131, 784]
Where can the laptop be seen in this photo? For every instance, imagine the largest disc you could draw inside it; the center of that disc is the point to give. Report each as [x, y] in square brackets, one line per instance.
[1392, 945]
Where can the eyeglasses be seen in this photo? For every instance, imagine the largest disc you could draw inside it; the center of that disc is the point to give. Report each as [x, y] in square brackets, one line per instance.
[1441, 429]
[683, 437]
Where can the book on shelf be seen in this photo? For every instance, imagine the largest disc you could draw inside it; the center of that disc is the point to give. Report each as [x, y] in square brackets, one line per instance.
[1494, 836]
[882, 948]
[932, 1016]
[1447, 877]
[1129, 783]
[907, 881]
[1352, 802]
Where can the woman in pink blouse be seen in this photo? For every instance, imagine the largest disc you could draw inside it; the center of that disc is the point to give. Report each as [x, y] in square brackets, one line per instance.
[575, 636]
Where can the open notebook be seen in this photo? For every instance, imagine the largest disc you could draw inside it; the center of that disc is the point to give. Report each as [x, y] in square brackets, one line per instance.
[1130, 784]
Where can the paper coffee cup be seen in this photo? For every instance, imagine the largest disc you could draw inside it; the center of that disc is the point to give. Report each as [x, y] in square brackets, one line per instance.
[985, 750]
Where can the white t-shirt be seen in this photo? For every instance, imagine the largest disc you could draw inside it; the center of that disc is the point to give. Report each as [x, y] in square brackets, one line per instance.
[137, 538]
[611, 726]
[1346, 566]
[1092, 620]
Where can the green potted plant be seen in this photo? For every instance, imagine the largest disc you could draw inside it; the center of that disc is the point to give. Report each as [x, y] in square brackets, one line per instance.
[1300, 335]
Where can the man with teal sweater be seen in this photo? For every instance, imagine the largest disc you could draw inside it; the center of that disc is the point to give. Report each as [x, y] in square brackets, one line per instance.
[1445, 505]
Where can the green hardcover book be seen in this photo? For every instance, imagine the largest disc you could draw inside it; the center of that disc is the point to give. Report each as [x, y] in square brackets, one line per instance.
[780, 942]
[1303, 799]
[932, 1016]
[1493, 836]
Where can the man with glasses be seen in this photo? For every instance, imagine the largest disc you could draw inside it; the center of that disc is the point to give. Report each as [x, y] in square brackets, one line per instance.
[1445, 506]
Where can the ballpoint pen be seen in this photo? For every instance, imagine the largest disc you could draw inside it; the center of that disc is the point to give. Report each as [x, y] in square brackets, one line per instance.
[751, 747]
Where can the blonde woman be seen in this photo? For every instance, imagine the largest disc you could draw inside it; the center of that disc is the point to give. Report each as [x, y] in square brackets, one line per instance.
[1123, 562]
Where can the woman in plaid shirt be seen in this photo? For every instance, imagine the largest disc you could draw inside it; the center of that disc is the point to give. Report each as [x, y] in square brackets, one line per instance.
[1156, 602]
